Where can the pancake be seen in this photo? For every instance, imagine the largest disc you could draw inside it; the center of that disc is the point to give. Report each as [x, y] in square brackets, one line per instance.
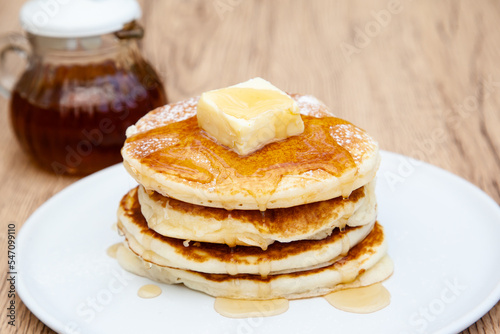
[168, 153]
[176, 219]
[222, 259]
[365, 264]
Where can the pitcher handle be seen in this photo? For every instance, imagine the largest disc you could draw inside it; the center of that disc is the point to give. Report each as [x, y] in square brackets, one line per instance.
[19, 45]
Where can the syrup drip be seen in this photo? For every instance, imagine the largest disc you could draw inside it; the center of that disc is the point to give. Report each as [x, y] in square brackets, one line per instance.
[264, 289]
[148, 256]
[111, 251]
[239, 308]
[183, 150]
[264, 268]
[149, 291]
[231, 268]
[366, 299]
[346, 244]
[146, 241]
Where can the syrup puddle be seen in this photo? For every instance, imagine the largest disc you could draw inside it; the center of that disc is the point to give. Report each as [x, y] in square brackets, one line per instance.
[366, 299]
[111, 251]
[346, 244]
[357, 300]
[149, 291]
[239, 308]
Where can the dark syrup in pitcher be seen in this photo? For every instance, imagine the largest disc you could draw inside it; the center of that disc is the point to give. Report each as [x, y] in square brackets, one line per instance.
[72, 118]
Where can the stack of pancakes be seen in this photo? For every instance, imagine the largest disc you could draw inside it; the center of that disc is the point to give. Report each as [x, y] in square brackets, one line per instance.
[295, 219]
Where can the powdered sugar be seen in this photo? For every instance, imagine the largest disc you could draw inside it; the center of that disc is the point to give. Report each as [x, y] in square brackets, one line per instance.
[169, 113]
[353, 139]
[311, 106]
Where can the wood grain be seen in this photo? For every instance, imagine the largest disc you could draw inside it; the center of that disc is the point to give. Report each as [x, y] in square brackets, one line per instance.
[425, 82]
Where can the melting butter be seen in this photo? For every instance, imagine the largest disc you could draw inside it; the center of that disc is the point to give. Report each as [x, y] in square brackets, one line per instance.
[239, 308]
[366, 299]
[248, 116]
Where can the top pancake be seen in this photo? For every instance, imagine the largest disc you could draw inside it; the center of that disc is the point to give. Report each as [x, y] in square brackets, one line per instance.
[167, 152]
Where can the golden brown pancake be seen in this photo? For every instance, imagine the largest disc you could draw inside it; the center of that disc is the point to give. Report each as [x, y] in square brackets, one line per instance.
[175, 158]
[365, 264]
[220, 258]
[181, 220]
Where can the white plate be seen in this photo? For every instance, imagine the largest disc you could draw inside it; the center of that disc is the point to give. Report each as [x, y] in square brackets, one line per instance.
[443, 235]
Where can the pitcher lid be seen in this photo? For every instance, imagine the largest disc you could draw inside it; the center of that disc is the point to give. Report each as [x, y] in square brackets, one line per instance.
[77, 18]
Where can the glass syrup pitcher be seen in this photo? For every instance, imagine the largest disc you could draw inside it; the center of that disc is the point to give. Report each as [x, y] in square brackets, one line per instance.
[85, 82]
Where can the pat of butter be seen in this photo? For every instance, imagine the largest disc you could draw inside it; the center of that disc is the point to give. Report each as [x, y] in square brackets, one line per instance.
[247, 116]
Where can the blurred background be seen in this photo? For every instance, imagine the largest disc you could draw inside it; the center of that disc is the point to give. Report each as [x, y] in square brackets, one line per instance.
[421, 76]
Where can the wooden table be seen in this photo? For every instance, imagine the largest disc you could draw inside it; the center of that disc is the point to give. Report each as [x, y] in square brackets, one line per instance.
[422, 77]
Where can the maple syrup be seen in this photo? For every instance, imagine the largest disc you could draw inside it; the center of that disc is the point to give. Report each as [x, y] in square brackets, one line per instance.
[366, 299]
[149, 291]
[113, 249]
[240, 308]
[72, 118]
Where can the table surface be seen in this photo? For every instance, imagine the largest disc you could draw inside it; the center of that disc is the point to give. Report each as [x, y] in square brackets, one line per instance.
[423, 80]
